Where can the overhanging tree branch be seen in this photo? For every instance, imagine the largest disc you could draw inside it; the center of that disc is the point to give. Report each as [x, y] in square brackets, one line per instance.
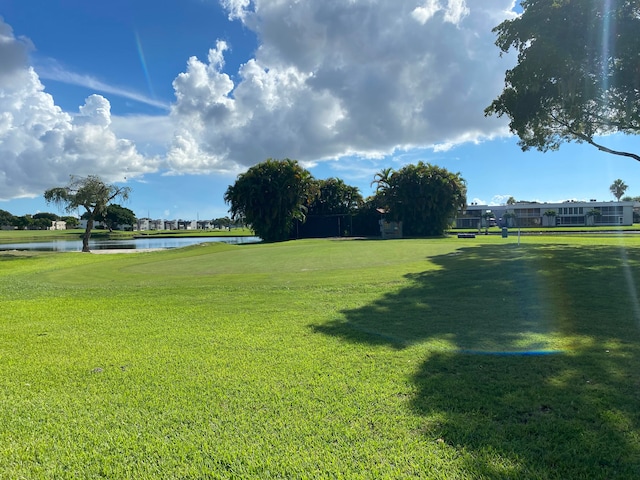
[564, 72]
[602, 148]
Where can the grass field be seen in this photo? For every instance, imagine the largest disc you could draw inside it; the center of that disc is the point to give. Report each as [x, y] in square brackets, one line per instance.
[446, 358]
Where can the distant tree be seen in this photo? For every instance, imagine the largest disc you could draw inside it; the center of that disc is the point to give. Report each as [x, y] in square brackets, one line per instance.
[90, 193]
[223, 222]
[334, 197]
[617, 188]
[630, 199]
[487, 216]
[270, 196]
[509, 218]
[40, 223]
[550, 216]
[23, 222]
[6, 219]
[52, 217]
[423, 196]
[577, 75]
[116, 215]
[592, 215]
[72, 222]
[511, 201]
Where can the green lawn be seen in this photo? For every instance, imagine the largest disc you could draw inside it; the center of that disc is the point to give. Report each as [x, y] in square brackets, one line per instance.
[446, 358]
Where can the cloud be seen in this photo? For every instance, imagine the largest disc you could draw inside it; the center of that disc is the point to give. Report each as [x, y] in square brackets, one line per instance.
[453, 12]
[14, 52]
[53, 71]
[332, 79]
[499, 199]
[40, 145]
[329, 80]
[152, 134]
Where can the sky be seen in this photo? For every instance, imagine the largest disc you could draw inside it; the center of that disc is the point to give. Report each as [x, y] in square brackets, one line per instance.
[176, 98]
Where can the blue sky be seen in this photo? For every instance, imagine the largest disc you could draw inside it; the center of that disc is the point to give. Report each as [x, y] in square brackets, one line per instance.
[177, 98]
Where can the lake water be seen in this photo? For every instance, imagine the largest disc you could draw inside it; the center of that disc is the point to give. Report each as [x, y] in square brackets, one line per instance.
[133, 244]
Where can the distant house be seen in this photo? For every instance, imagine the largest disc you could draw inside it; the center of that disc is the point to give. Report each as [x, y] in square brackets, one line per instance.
[58, 225]
[530, 214]
[187, 225]
[143, 224]
[204, 225]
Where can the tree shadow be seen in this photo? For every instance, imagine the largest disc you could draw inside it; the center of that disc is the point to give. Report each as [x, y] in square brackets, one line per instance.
[557, 416]
[7, 256]
[535, 365]
[497, 298]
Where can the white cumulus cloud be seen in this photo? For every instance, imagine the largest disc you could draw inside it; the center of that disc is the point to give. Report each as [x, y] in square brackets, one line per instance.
[453, 11]
[41, 145]
[337, 78]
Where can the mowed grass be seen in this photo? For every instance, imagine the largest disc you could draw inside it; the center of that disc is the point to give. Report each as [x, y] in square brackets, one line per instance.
[434, 358]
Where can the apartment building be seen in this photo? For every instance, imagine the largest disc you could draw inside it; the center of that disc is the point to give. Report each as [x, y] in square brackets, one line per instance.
[532, 214]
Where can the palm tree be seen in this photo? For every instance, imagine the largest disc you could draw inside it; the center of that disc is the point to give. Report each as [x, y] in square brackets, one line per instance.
[381, 179]
[550, 216]
[487, 216]
[617, 188]
[509, 217]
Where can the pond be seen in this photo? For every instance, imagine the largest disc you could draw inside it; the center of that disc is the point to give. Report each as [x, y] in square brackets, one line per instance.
[129, 244]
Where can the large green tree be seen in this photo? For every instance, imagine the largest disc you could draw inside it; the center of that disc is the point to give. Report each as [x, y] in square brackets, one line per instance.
[116, 215]
[423, 196]
[334, 197]
[90, 193]
[270, 196]
[578, 72]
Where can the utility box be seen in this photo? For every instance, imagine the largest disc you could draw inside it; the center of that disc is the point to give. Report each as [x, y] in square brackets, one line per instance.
[505, 232]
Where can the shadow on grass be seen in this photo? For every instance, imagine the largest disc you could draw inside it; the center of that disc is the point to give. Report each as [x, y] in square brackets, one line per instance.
[503, 298]
[6, 256]
[486, 390]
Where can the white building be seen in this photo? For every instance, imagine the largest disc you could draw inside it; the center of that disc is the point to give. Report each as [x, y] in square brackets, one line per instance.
[564, 214]
[58, 225]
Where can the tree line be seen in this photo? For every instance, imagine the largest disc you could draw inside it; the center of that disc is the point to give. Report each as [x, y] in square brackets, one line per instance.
[275, 194]
[38, 221]
[271, 196]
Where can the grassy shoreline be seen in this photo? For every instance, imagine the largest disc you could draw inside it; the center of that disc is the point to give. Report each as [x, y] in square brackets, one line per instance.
[21, 236]
[414, 358]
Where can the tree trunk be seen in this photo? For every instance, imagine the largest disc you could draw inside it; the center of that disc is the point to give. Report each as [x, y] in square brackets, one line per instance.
[87, 235]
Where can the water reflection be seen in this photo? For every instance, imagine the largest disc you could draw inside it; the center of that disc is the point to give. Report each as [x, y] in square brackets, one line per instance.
[131, 244]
